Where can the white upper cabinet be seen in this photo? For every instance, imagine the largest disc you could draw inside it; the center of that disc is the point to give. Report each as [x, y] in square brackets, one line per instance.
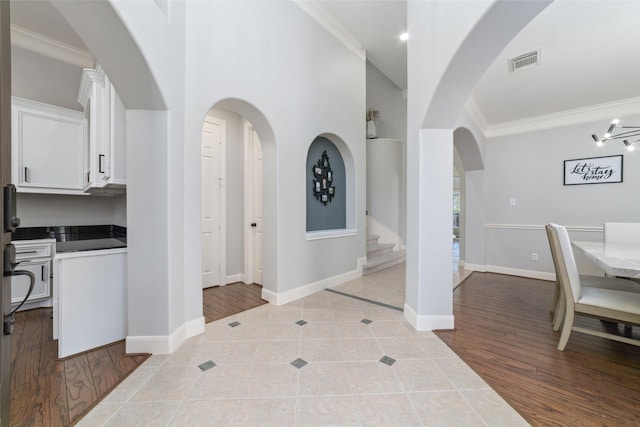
[48, 148]
[105, 118]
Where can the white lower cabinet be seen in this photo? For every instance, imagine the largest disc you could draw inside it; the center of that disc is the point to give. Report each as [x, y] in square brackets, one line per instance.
[34, 256]
[90, 299]
[20, 284]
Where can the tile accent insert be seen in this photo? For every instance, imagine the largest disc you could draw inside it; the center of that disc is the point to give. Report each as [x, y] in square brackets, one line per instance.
[388, 360]
[206, 365]
[381, 304]
[299, 363]
[366, 321]
[234, 324]
[301, 322]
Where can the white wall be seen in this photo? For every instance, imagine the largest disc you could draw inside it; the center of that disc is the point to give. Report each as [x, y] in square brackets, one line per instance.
[40, 210]
[386, 161]
[383, 95]
[386, 188]
[529, 168]
[305, 83]
[40, 78]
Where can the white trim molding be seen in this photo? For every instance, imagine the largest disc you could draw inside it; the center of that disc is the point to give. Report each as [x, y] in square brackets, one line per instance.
[428, 322]
[312, 288]
[233, 278]
[330, 24]
[475, 114]
[475, 267]
[330, 234]
[35, 42]
[591, 113]
[165, 344]
[532, 274]
[589, 229]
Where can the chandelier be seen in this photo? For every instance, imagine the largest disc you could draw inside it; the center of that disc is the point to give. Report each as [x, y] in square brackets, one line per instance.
[625, 135]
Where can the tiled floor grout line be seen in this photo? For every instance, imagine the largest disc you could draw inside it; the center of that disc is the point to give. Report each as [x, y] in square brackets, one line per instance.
[381, 304]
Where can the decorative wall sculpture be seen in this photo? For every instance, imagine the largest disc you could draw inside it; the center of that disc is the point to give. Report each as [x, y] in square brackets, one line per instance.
[323, 187]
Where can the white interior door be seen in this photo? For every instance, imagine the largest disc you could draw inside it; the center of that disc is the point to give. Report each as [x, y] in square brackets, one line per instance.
[213, 198]
[257, 208]
[253, 205]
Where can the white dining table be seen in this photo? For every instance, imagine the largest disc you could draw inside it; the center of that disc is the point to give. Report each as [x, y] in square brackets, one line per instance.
[616, 259]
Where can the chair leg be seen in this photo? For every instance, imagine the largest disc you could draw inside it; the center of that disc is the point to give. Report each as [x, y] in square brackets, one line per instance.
[559, 314]
[566, 329]
[556, 297]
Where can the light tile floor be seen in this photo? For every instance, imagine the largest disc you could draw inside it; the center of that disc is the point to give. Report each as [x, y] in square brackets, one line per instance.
[353, 363]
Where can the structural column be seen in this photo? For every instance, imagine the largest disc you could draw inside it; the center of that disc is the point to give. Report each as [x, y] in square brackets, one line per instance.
[429, 295]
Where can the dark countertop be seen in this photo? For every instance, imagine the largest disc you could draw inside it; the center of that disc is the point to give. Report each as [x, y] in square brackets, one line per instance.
[90, 245]
[77, 238]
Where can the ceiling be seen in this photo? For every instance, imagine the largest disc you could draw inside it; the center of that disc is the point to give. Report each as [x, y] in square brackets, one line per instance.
[590, 52]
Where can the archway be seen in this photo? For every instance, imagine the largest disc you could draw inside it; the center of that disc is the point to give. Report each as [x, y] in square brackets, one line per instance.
[441, 93]
[248, 113]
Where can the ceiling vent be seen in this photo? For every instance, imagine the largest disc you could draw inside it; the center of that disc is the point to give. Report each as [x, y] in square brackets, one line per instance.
[524, 60]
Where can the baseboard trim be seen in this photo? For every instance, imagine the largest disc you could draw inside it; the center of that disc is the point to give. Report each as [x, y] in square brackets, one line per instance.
[234, 278]
[165, 344]
[532, 274]
[306, 290]
[428, 322]
[475, 267]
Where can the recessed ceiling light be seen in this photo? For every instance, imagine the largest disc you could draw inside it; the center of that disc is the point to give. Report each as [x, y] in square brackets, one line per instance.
[404, 37]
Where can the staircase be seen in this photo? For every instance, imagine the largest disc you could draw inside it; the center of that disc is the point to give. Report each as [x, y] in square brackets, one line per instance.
[381, 255]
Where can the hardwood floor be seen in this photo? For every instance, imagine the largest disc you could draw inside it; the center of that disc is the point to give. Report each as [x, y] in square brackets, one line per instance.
[223, 301]
[503, 332]
[47, 391]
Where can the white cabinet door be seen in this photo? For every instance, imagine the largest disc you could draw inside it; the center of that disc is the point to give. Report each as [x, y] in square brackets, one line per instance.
[20, 284]
[117, 139]
[48, 145]
[105, 117]
[91, 305]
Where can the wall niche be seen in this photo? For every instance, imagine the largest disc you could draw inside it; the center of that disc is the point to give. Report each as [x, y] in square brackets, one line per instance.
[326, 186]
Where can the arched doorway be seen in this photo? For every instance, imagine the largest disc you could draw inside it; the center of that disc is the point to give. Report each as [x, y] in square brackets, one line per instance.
[431, 124]
[248, 252]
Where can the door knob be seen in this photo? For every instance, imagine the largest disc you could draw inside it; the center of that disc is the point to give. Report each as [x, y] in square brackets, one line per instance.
[253, 224]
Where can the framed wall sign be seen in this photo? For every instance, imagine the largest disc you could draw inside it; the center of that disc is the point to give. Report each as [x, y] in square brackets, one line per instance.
[593, 170]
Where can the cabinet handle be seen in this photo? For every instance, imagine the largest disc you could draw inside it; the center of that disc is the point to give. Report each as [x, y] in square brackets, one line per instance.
[26, 174]
[100, 157]
[42, 273]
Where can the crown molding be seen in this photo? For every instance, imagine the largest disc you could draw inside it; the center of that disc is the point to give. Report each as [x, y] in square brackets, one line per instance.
[475, 114]
[591, 113]
[43, 45]
[330, 24]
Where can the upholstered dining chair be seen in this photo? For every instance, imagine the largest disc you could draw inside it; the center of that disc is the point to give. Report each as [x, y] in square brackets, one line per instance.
[622, 232]
[605, 304]
[558, 304]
